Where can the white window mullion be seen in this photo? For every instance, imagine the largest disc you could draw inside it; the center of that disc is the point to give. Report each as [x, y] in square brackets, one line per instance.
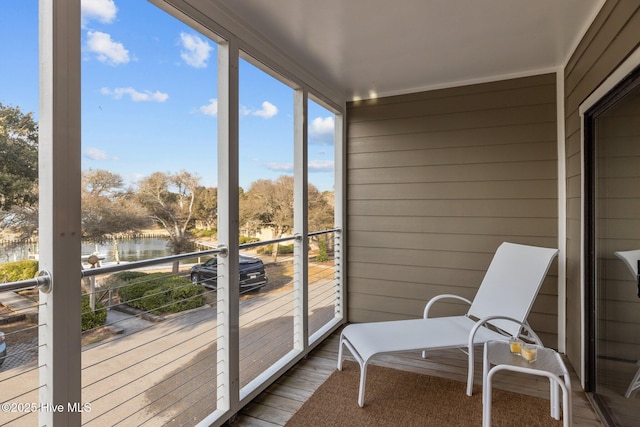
[228, 210]
[300, 226]
[59, 212]
[340, 216]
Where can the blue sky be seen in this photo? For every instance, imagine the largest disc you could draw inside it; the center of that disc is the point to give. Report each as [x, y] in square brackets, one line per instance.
[149, 96]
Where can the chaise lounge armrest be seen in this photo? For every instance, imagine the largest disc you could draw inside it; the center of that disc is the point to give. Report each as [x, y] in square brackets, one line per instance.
[437, 298]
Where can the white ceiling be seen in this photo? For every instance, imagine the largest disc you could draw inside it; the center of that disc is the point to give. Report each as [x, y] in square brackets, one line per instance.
[369, 48]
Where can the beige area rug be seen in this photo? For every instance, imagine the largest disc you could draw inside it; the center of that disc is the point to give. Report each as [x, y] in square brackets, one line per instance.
[398, 398]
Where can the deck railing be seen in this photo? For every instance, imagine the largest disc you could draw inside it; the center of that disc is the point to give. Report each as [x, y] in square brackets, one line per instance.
[156, 358]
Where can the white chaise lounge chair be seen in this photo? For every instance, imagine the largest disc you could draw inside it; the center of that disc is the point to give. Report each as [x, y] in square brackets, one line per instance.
[508, 291]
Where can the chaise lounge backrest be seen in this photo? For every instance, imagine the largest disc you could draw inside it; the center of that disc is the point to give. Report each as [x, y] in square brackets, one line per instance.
[511, 283]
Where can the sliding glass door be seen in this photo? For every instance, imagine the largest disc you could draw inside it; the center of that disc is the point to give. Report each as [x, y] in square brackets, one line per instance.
[612, 147]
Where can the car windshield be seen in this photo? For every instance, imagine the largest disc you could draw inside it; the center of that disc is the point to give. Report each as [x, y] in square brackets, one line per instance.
[248, 260]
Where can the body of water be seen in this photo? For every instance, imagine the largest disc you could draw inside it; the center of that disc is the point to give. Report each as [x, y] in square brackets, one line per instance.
[129, 250]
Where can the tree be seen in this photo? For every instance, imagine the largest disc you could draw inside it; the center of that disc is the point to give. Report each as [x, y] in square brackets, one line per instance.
[269, 204]
[18, 158]
[18, 172]
[206, 206]
[108, 209]
[321, 210]
[170, 202]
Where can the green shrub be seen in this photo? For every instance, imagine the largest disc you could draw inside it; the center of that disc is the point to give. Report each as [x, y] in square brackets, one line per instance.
[186, 297]
[247, 239]
[282, 249]
[159, 293]
[18, 270]
[322, 252]
[285, 249]
[127, 276]
[132, 290]
[153, 301]
[92, 319]
[205, 233]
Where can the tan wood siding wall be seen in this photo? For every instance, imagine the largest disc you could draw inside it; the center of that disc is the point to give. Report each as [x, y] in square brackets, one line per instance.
[614, 34]
[436, 181]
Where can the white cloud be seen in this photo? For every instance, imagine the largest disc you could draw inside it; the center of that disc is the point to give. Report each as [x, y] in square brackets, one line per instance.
[97, 154]
[103, 11]
[268, 110]
[320, 166]
[313, 166]
[195, 51]
[321, 127]
[280, 167]
[136, 96]
[106, 50]
[211, 109]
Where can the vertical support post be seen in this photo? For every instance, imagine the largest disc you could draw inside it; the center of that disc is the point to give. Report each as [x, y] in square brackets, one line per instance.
[562, 214]
[59, 180]
[228, 292]
[340, 171]
[300, 224]
[92, 293]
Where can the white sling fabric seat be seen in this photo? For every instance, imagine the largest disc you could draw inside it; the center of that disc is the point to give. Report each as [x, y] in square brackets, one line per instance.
[503, 301]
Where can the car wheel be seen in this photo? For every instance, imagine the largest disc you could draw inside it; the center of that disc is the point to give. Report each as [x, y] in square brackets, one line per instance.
[195, 279]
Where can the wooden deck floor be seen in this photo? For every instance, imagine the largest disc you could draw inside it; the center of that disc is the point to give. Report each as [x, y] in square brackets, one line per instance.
[281, 400]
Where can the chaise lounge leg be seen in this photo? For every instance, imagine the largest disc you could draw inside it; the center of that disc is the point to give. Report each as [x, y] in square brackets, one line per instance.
[470, 374]
[363, 366]
[363, 380]
[340, 353]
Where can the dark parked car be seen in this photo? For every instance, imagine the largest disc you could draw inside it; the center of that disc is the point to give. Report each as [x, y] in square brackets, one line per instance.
[252, 273]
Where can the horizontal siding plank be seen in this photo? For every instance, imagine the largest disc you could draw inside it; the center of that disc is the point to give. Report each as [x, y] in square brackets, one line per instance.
[508, 98]
[464, 155]
[426, 258]
[444, 242]
[477, 89]
[476, 119]
[512, 190]
[456, 225]
[495, 208]
[503, 134]
[417, 274]
[425, 291]
[528, 170]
